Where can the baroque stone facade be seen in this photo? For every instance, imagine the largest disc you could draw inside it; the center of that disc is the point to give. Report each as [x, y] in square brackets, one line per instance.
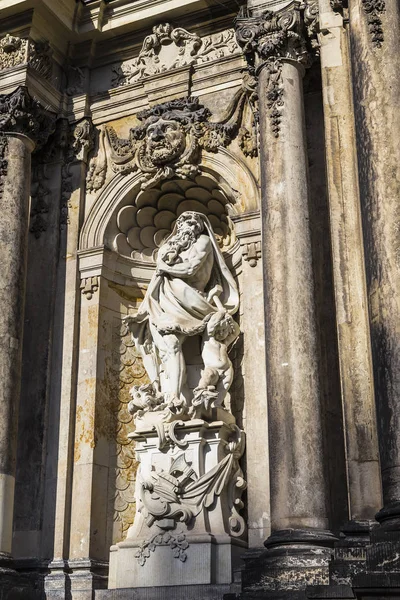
[200, 300]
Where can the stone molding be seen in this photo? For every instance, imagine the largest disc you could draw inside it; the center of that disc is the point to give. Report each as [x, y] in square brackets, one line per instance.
[15, 51]
[20, 113]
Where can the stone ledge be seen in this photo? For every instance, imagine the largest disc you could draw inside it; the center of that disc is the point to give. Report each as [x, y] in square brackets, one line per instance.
[173, 592]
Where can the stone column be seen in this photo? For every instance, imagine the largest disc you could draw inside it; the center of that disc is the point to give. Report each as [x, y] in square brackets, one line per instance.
[364, 489]
[15, 150]
[276, 49]
[374, 34]
[18, 113]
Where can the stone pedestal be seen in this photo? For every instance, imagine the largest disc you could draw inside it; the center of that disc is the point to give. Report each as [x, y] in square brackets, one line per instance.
[187, 528]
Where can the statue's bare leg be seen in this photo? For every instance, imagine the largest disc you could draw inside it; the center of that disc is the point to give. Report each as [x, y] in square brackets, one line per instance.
[170, 351]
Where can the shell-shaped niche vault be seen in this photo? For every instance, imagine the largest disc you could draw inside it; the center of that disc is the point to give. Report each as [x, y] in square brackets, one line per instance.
[147, 217]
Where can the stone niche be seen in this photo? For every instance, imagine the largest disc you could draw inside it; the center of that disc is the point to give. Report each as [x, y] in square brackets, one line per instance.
[188, 528]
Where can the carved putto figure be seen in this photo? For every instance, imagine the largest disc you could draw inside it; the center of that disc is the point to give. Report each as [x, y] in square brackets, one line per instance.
[192, 293]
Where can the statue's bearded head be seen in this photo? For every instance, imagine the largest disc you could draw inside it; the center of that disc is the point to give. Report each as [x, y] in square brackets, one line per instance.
[188, 228]
[165, 141]
[190, 220]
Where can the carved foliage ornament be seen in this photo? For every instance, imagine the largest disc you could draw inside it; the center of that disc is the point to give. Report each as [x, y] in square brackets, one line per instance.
[171, 47]
[22, 114]
[374, 10]
[267, 40]
[15, 51]
[169, 140]
[3, 161]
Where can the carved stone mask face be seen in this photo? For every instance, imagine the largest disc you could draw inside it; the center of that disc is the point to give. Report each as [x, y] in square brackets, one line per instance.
[165, 141]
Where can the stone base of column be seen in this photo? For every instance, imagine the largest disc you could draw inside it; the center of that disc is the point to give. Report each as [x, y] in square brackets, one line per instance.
[294, 559]
[85, 576]
[389, 524]
[350, 551]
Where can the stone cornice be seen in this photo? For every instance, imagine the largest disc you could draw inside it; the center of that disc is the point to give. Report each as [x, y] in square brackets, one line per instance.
[288, 33]
[19, 113]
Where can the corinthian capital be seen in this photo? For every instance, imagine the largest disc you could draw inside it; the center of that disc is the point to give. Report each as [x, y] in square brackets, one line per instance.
[281, 34]
[19, 113]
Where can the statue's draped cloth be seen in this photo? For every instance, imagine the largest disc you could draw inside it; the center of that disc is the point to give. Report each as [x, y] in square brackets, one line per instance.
[174, 306]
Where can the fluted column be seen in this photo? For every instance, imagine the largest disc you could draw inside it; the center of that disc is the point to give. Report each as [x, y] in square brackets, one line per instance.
[374, 35]
[276, 47]
[18, 113]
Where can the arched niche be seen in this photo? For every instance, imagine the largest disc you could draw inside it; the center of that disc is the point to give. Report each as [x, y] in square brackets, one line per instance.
[230, 175]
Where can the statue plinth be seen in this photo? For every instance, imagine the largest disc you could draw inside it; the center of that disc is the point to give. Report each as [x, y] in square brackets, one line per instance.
[187, 528]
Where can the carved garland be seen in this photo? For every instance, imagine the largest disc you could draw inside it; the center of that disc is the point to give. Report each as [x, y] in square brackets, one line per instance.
[3, 162]
[374, 10]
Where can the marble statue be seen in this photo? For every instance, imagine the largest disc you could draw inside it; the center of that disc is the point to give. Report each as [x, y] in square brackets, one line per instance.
[192, 293]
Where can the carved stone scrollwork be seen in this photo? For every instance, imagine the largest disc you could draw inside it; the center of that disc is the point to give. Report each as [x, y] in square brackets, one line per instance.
[276, 36]
[78, 142]
[20, 113]
[170, 48]
[15, 51]
[374, 10]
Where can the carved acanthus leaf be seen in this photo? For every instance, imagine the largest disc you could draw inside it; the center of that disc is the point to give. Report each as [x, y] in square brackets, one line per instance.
[171, 47]
[267, 40]
[276, 34]
[15, 51]
[20, 113]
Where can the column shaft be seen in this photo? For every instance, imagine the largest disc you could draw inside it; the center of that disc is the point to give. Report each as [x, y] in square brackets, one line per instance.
[14, 208]
[298, 495]
[374, 35]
